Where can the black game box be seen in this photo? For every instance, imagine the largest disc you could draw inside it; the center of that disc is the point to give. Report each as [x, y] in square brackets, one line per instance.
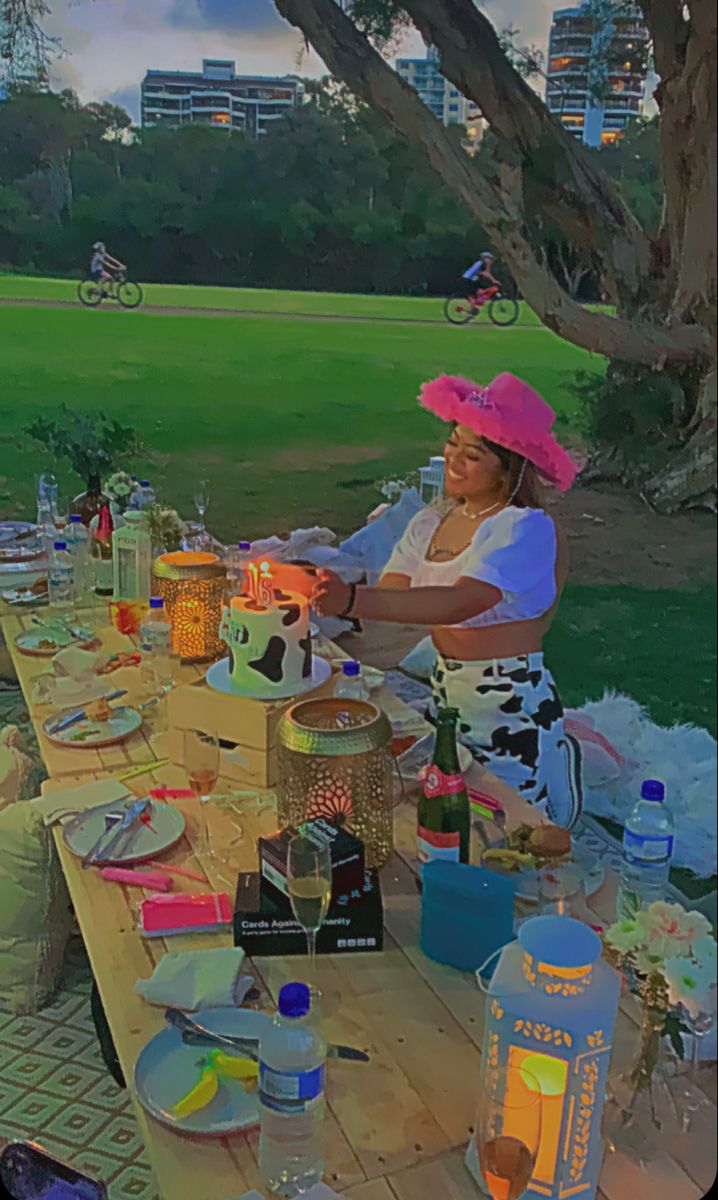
[266, 926]
[347, 855]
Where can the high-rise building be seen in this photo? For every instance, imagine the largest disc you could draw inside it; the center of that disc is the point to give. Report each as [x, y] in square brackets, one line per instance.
[218, 97]
[438, 93]
[596, 73]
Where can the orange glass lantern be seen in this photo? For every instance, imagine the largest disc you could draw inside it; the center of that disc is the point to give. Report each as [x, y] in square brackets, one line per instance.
[192, 585]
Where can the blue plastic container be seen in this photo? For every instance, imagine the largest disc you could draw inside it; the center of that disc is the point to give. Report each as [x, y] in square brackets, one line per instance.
[467, 914]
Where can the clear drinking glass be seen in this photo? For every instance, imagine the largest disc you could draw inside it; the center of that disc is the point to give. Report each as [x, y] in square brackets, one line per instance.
[508, 1130]
[560, 890]
[201, 763]
[201, 503]
[692, 1099]
[309, 875]
[60, 513]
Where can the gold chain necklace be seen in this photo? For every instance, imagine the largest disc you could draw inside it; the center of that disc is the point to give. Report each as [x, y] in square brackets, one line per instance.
[435, 550]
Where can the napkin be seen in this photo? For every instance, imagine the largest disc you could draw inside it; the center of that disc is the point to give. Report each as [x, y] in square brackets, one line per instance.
[197, 979]
[59, 805]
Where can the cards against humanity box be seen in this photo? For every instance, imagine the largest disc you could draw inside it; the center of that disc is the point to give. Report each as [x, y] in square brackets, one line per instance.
[347, 855]
[263, 926]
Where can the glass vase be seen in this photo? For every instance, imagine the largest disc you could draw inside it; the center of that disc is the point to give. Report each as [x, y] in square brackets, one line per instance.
[641, 1113]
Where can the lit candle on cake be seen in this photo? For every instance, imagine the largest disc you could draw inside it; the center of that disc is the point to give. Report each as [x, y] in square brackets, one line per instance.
[265, 590]
[252, 578]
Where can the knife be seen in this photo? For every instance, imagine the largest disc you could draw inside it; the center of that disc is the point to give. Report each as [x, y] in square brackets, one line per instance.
[80, 713]
[194, 1034]
[132, 815]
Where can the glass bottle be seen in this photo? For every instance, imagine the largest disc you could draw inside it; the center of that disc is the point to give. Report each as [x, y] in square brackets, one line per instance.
[102, 553]
[444, 819]
[89, 503]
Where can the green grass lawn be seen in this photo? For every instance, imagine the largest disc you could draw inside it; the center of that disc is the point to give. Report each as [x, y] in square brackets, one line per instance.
[294, 421]
[259, 300]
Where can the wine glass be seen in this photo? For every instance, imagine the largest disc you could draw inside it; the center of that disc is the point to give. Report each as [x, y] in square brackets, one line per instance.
[60, 513]
[201, 503]
[508, 1131]
[698, 1024]
[309, 876]
[201, 763]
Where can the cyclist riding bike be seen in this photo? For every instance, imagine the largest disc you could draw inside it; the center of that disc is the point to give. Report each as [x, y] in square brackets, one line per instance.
[103, 264]
[480, 271]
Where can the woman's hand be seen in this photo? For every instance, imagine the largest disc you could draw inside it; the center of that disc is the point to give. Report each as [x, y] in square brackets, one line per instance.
[331, 595]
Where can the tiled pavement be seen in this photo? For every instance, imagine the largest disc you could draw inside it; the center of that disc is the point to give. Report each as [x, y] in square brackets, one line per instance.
[55, 1089]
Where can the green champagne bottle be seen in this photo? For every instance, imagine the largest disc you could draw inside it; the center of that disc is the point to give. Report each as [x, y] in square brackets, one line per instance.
[444, 821]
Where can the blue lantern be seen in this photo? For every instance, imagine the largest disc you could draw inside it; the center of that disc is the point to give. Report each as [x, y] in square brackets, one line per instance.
[551, 1009]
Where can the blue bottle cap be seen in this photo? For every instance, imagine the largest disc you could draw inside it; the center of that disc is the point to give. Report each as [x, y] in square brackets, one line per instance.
[156, 602]
[60, 545]
[653, 789]
[75, 519]
[351, 669]
[144, 483]
[244, 546]
[295, 1000]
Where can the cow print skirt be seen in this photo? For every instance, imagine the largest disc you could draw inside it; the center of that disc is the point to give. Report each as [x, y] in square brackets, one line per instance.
[511, 718]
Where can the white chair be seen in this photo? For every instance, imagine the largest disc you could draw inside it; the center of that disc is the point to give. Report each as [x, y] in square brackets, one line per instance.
[431, 480]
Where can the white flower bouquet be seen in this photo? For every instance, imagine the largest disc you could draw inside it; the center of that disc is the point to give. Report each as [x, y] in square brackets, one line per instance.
[668, 957]
[165, 528]
[120, 489]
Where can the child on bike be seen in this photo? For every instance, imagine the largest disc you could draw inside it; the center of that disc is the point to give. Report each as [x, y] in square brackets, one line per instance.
[480, 271]
[102, 263]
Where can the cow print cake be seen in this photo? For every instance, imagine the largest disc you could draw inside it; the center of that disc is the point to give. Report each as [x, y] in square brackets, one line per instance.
[270, 648]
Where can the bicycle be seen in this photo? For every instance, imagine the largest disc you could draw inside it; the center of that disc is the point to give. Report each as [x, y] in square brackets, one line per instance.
[119, 288]
[503, 311]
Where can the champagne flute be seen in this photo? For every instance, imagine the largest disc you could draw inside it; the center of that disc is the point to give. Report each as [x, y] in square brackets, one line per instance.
[201, 763]
[201, 503]
[309, 876]
[508, 1132]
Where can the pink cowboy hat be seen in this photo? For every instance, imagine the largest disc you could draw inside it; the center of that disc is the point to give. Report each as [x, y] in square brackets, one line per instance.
[507, 412]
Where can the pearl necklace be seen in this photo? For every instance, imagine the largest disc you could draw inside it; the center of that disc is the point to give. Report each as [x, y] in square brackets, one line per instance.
[475, 516]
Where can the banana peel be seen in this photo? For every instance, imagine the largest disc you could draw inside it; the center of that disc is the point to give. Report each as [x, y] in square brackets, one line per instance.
[216, 1064]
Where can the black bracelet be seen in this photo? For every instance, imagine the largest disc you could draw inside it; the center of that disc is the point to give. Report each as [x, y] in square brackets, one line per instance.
[352, 601]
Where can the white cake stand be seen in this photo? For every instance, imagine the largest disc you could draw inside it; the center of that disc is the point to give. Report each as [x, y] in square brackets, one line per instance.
[219, 678]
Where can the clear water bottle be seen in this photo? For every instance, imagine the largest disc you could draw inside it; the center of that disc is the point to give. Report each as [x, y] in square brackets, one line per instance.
[147, 495]
[291, 1096]
[350, 683]
[46, 496]
[647, 850]
[60, 580]
[77, 537]
[237, 560]
[156, 647]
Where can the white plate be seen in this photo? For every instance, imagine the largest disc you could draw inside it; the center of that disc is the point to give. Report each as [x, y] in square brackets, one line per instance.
[24, 596]
[219, 678]
[81, 833]
[10, 531]
[93, 735]
[166, 1070]
[29, 641]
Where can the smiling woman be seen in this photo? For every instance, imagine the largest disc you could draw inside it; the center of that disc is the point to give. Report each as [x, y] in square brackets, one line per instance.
[485, 572]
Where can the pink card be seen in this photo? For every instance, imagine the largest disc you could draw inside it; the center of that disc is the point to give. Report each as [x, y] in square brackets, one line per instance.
[180, 912]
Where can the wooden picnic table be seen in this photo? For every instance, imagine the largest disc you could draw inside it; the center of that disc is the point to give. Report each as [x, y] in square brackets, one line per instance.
[396, 1130]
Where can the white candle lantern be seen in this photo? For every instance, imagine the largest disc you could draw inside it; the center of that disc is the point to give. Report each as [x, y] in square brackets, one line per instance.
[551, 1009]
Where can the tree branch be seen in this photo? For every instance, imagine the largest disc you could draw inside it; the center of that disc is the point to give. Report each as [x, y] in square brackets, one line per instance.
[499, 207]
[472, 57]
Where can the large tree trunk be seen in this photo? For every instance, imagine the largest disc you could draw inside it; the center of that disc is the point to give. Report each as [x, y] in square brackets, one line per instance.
[665, 291]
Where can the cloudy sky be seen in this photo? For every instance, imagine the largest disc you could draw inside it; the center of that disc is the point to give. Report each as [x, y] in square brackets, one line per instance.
[111, 43]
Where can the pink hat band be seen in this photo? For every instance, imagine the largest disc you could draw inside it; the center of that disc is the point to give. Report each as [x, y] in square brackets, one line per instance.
[507, 412]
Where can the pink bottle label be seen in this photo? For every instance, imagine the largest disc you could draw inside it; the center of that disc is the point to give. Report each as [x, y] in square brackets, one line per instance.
[437, 783]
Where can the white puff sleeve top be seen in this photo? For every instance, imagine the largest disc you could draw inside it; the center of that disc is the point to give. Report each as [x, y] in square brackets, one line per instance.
[515, 551]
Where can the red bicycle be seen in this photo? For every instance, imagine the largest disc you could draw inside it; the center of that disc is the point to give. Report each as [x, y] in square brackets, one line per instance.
[459, 309]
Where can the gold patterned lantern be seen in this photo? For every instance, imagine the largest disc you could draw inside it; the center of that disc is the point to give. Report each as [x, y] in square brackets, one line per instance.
[334, 761]
[192, 585]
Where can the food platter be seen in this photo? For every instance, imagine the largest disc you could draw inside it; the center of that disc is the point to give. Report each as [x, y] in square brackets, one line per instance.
[44, 641]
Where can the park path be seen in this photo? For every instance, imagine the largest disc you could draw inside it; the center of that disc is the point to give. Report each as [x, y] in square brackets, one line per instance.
[180, 310]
